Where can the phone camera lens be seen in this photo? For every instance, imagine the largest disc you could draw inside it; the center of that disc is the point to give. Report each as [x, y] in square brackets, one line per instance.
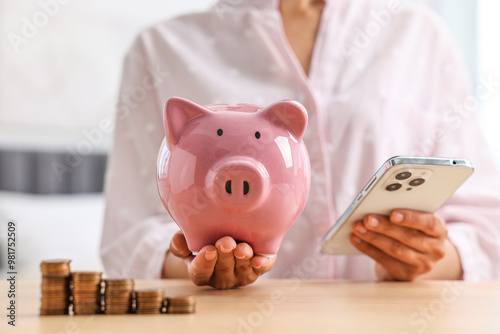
[393, 187]
[403, 176]
[417, 182]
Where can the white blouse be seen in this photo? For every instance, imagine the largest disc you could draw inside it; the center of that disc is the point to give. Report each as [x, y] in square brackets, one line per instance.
[383, 81]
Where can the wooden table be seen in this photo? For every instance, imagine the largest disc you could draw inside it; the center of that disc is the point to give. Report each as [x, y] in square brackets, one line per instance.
[287, 306]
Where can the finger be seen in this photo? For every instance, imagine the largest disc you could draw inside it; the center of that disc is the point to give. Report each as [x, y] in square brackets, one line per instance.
[225, 257]
[396, 269]
[428, 223]
[262, 264]
[178, 246]
[392, 247]
[245, 275]
[243, 253]
[409, 236]
[202, 266]
[224, 277]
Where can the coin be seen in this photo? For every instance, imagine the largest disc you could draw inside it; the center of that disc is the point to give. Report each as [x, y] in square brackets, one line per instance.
[55, 287]
[181, 309]
[111, 301]
[149, 301]
[86, 312]
[117, 311]
[49, 299]
[61, 307]
[143, 305]
[188, 300]
[55, 267]
[79, 300]
[149, 292]
[118, 295]
[55, 262]
[85, 292]
[55, 279]
[86, 306]
[85, 277]
[86, 274]
[86, 288]
[54, 312]
[147, 312]
[181, 305]
[116, 283]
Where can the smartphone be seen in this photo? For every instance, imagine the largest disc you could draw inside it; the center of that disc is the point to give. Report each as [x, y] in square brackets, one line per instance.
[416, 183]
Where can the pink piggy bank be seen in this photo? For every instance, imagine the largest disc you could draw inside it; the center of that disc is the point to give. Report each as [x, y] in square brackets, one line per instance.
[240, 171]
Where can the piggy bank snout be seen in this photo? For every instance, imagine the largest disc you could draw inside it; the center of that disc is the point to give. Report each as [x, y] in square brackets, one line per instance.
[238, 184]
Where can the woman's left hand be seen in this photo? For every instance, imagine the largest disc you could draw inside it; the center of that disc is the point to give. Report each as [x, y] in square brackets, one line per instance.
[405, 245]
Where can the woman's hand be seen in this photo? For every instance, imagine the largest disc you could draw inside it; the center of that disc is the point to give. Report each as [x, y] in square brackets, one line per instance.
[406, 245]
[223, 266]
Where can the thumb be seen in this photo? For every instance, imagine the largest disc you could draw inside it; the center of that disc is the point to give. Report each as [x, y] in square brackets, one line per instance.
[178, 246]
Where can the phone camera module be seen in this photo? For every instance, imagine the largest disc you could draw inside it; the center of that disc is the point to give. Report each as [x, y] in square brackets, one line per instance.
[403, 176]
[417, 182]
[393, 187]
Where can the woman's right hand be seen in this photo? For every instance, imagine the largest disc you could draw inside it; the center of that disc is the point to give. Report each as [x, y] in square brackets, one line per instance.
[224, 266]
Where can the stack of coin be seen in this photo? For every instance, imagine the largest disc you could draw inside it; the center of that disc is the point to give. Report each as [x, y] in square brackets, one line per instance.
[86, 292]
[180, 305]
[55, 287]
[118, 295]
[149, 301]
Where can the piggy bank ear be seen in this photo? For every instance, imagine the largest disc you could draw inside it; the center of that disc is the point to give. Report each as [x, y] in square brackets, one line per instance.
[178, 112]
[289, 114]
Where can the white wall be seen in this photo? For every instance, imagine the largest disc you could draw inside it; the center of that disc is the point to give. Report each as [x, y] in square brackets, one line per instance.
[476, 27]
[63, 76]
[52, 227]
[489, 65]
[460, 16]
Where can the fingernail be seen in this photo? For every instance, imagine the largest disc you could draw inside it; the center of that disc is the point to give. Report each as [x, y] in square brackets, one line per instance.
[356, 239]
[174, 247]
[397, 217]
[373, 222]
[266, 264]
[209, 256]
[239, 258]
[225, 250]
[361, 229]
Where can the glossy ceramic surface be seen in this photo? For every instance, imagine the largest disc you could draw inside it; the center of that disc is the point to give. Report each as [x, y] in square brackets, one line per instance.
[241, 171]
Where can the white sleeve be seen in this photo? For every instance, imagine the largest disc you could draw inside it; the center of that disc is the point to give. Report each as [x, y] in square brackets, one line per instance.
[137, 229]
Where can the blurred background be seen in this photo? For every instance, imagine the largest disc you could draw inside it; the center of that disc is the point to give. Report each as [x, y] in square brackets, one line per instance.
[60, 66]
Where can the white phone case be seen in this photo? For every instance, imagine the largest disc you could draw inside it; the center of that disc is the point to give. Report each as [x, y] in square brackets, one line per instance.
[416, 183]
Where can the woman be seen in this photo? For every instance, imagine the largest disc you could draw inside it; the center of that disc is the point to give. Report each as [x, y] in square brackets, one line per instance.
[378, 79]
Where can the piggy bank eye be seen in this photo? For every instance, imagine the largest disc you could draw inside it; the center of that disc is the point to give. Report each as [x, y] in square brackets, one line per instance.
[219, 132]
[257, 134]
